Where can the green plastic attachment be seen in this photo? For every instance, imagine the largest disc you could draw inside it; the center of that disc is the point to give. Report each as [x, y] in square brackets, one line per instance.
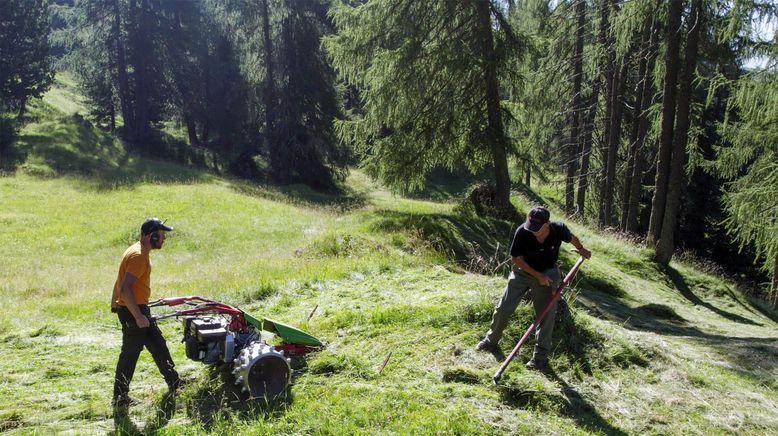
[287, 333]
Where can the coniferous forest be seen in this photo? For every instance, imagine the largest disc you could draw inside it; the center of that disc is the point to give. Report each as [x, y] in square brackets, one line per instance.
[347, 191]
[658, 118]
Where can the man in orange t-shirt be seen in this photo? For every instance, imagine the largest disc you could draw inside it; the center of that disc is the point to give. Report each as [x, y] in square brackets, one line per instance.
[130, 301]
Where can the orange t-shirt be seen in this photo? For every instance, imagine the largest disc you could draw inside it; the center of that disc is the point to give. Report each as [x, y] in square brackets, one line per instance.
[138, 264]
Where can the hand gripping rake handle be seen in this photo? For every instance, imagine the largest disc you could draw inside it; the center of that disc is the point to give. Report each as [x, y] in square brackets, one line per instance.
[554, 297]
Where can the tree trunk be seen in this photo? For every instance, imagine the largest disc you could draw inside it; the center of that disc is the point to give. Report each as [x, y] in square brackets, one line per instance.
[633, 136]
[139, 35]
[22, 109]
[636, 180]
[121, 72]
[215, 159]
[191, 130]
[495, 134]
[666, 244]
[614, 140]
[606, 41]
[527, 174]
[278, 169]
[586, 148]
[668, 119]
[774, 284]
[574, 142]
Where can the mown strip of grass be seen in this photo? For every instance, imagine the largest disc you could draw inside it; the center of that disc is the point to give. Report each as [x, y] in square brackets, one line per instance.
[644, 348]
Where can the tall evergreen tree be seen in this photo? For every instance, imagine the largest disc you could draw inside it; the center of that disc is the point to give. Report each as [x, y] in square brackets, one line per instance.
[25, 71]
[123, 40]
[634, 169]
[292, 98]
[751, 200]
[592, 106]
[304, 148]
[668, 121]
[208, 92]
[665, 245]
[428, 77]
[633, 174]
[749, 152]
[575, 106]
[533, 80]
[610, 80]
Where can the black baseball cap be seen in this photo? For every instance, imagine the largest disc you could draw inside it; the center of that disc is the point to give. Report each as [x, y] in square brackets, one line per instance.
[151, 225]
[536, 218]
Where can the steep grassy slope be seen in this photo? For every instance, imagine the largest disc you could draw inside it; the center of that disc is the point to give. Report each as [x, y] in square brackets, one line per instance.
[645, 348]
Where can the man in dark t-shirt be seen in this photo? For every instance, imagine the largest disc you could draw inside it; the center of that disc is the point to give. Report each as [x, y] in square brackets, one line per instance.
[534, 255]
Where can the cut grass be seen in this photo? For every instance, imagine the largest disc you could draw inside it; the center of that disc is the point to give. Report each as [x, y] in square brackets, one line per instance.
[645, 349]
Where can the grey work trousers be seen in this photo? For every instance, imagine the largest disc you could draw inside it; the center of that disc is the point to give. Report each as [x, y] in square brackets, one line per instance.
[518, 284]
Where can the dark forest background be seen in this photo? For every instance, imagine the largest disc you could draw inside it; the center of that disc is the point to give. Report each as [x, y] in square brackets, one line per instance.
[659, 117]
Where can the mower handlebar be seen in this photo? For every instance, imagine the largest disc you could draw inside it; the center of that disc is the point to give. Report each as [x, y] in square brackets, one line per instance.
[177, 301]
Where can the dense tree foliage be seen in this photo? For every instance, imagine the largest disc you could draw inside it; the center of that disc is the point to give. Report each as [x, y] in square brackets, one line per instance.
[24, 65]
[748, 156]
[642, 110]
[428, 78]
[264, 93]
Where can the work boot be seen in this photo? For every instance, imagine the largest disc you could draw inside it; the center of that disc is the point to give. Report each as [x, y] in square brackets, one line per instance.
[537, 364]
[488, 346]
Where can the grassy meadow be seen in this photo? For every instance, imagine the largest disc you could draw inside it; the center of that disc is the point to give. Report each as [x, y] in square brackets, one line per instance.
[408, 283]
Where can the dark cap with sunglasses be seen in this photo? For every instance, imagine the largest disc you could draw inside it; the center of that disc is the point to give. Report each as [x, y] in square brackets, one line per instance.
[536, 218]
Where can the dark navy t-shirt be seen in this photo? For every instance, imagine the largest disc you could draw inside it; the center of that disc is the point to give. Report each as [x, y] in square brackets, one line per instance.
[540, 256]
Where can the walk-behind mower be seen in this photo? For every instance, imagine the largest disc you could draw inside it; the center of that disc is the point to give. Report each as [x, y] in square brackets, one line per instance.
[219, 334]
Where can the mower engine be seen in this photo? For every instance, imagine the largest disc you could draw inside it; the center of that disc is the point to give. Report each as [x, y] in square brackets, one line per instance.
[260, 369]
[257, 366]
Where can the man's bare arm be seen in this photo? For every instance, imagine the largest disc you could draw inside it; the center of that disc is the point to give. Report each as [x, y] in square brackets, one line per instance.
[580, 248]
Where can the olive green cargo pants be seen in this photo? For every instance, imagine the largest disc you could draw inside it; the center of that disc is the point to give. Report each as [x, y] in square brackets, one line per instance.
[519, 282]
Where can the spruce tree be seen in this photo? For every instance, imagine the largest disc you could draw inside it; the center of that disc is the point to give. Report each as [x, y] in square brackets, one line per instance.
[428, 77]
[751, 162]
[673, 37]
[304, 148]
[25, 71]
[666, 244]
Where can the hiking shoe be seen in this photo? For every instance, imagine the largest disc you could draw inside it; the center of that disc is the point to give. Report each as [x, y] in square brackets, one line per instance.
[124, 401]
[486, 345]
[537, 364]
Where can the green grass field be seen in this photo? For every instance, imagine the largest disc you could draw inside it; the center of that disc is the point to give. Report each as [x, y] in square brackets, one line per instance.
[645, 349]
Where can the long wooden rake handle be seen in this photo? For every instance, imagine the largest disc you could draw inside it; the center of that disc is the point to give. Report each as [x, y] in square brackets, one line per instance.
[554, 297]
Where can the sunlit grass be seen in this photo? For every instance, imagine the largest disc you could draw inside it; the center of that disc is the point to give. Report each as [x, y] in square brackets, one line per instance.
[384, 280]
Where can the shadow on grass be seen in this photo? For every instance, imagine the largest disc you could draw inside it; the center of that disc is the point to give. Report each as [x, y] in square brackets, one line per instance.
[583, 412]
[443, 185]
[209, 404]
[762, 308]
[523, 394]
[344, 199]
[592, 280]
[531, 196]
[459, 237]
[165, 409]
[751, 357]
[71, 146]
[686, 292]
